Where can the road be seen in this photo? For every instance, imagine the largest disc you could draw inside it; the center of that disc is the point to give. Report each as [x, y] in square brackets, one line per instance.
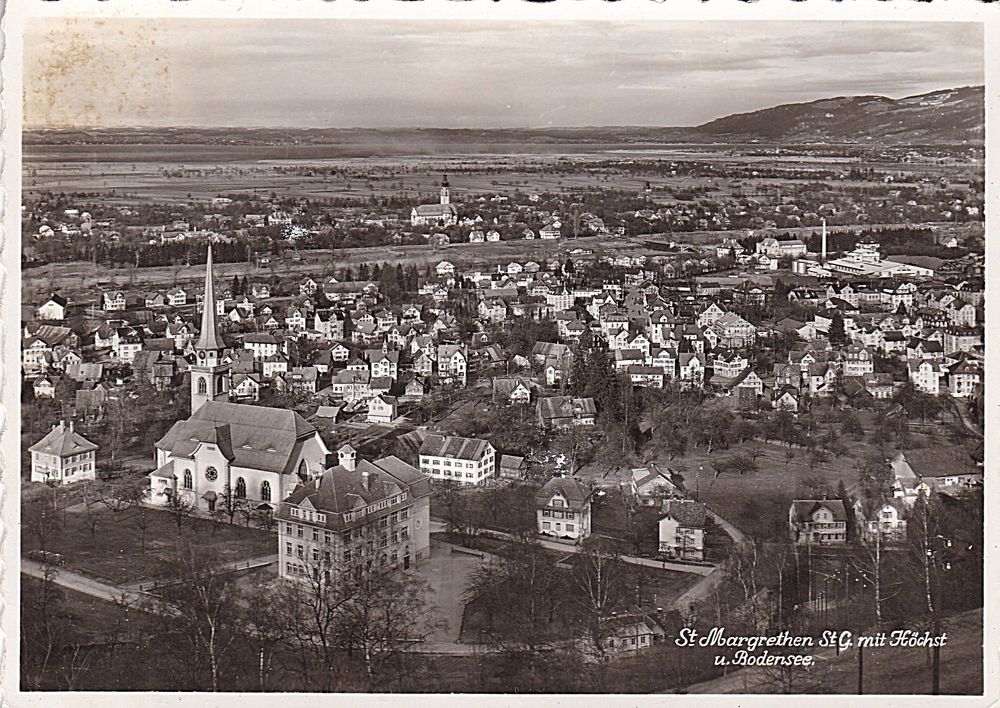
[440, 527]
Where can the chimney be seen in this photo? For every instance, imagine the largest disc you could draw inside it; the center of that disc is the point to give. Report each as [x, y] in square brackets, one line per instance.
[366, 480]
[71, 426]
[823, 256]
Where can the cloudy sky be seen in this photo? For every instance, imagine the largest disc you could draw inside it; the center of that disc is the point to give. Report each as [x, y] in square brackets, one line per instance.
[347, 73]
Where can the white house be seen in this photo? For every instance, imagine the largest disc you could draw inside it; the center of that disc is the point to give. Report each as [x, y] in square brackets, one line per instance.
[63, 456]
[563, 509]
[463, 460]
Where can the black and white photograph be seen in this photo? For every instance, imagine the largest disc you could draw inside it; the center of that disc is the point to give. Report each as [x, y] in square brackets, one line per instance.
[475, 356]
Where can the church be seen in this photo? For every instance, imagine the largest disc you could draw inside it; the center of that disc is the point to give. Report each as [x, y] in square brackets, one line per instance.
[251, 452]
[443, 214]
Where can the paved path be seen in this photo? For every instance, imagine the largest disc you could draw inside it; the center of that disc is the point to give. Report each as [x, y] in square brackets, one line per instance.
[80, 583]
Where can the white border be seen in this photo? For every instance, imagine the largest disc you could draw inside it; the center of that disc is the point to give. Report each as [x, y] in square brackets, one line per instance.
[504, 10]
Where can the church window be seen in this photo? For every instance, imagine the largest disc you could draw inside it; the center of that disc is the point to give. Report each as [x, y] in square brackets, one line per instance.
[303, 469]
[265, 491]
[211, 474]
[202, 386]
[188, 480]
[220, 385]
[241, 488]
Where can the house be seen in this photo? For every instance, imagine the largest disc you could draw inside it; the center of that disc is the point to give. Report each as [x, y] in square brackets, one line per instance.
[818, 521]
[550, 231]
[511, 389]
[560, 411]
[939, 467]
[246, 387]
[45, 386]
[681, 530]
[881, 520]
[53, 309]
[113, 301]
[563, 509]
[513, 467]
[452, 363]
[625, 634]
[457, 459]
[63, 456]
[651, 487]
[382, 409]
[323, 521]
[177, 297]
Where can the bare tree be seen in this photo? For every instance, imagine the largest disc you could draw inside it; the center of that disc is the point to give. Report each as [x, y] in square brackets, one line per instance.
[202, 617]
[179, 508]
[600, 586]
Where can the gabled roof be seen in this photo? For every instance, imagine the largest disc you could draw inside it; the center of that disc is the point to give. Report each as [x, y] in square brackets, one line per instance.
[577, 496]
[803, 509]
[62, 440]
[453, 447]
[687, 513]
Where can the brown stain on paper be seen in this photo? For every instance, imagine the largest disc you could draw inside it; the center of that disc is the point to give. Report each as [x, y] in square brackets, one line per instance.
[84, 73]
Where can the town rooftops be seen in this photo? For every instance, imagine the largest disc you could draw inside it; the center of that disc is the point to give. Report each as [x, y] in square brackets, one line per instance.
[63, 441]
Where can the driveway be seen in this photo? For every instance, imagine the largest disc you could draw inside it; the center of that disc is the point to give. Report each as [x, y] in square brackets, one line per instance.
[447, 572]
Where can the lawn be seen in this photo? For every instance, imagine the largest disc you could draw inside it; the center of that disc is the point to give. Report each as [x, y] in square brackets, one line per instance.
[119, 552]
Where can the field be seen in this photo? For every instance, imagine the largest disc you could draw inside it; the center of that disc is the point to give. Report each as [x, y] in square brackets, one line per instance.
[123, 552]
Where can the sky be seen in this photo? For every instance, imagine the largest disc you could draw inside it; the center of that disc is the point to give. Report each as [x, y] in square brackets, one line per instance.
[462, 74]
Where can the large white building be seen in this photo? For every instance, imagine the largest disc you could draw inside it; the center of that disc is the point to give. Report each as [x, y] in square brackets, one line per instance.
[463, 460]
[63, 456]
[230, 450]
[355, 513]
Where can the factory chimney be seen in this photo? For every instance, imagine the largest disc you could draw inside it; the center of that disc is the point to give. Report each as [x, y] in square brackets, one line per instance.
[823, 255]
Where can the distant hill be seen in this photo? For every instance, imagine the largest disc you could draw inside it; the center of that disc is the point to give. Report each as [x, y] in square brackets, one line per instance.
[951, 116]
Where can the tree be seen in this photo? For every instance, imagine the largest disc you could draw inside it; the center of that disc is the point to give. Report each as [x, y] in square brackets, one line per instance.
[838, 336]
[518, 591]
[736, 464]
[266, 623]
[203, 619]
[179, 508]
[599, 587]
[386, 612]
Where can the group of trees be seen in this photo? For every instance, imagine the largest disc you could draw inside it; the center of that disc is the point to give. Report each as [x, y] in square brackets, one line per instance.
[209, 630]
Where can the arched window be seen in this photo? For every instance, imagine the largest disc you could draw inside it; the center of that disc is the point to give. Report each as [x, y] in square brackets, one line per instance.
[241, 488]
[303, 469]
[220, 384]
[202, 386]
[188, 480]
[265, 491]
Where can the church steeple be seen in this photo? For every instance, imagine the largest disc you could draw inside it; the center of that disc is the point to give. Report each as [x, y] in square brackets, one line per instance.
[209, 338]
[209, 375]
[445, 192]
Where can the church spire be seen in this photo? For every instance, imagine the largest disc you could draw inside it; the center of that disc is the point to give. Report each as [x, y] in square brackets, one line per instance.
[209, 338]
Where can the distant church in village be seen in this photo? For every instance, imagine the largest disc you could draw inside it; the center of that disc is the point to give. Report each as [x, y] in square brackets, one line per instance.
[443, 214]
[255, 453]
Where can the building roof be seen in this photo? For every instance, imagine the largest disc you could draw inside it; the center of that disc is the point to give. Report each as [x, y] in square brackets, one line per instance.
[576, 494]
[453, 447]
[256, 437]
[63, 441]
[686, 512]
[803, 509]
[941, 461]
[554, 407]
